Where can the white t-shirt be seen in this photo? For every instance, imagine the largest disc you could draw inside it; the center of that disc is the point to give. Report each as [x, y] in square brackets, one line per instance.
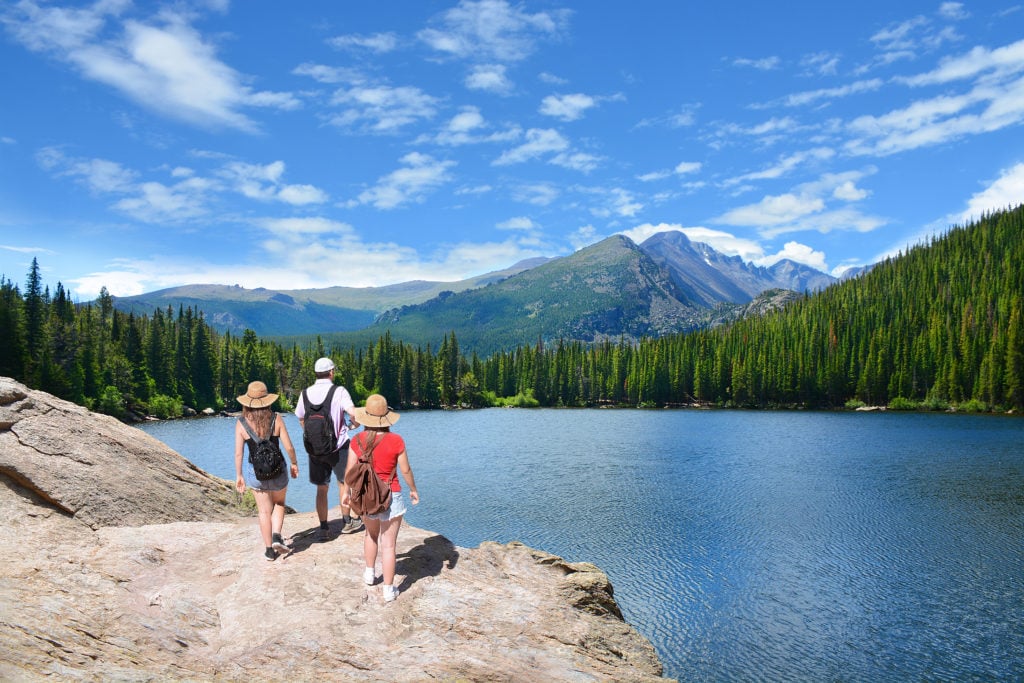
[342, 403]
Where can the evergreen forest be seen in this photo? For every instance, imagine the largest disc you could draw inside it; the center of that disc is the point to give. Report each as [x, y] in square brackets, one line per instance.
[939, 326]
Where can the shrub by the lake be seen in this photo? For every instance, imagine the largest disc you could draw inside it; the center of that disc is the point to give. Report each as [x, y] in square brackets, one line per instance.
[900, 403]
[165, 407]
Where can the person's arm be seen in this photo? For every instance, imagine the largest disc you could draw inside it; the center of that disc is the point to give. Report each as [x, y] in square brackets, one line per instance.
[406, 469]
[287, 442]
[349, 464]
[239, 447]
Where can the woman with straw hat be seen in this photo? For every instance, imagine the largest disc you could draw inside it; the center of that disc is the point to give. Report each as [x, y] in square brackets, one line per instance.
[270, 493]
[388, 456]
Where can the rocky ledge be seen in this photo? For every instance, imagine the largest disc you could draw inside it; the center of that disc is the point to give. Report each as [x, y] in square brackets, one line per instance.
[124, 562]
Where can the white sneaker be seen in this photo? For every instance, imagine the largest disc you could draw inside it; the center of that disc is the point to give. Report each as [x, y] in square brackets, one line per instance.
[368, 576]
[390, 593]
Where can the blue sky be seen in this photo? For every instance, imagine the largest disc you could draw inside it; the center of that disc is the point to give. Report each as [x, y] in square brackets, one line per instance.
[145, 145]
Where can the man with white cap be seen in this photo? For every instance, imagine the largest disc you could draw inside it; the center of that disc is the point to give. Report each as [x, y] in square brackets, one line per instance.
[321, 466]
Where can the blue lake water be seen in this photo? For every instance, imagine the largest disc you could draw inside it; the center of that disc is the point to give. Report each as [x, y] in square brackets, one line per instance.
[747, 546]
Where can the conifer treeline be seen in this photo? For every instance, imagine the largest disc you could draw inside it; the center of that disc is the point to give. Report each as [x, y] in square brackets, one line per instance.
[939, 325]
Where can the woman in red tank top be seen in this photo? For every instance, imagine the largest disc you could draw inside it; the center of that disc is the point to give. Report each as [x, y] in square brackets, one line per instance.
[389, 458]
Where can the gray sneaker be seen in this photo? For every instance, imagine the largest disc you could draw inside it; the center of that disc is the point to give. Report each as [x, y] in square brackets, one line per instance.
[354, 525]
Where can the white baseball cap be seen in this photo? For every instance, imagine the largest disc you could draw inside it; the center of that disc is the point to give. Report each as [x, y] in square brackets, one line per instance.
[323, 365]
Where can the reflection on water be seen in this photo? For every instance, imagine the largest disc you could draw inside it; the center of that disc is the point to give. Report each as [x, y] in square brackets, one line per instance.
[744, 545]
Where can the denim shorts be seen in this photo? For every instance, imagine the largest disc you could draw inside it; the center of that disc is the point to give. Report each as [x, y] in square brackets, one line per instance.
[394, 511]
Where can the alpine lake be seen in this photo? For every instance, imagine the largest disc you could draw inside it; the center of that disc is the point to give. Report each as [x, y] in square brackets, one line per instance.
[746, 545]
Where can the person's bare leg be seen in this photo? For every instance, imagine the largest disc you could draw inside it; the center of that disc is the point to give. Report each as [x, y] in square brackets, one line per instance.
[265, 508]
[388, 553]
[370, 542]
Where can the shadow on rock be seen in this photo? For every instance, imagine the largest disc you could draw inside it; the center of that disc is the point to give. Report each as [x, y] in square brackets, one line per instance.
[426, 559]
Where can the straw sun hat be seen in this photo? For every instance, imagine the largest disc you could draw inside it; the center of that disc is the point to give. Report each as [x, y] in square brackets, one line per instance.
[376, 413]
[256, 396]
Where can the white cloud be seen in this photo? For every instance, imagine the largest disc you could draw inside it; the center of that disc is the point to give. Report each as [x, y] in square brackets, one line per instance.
[577, 161]
[263, 182]
[26, 250]
[468, 127]
[168, 68]
[376, 42]
[567, 107]
[538, 194]
[720, 241]
[614, 202]
[764, 64]
[329, 74]
[804, 98]
[953, 11]
[492, 29]
[302, 227]
[820, 63]
[686, 167]
[383, 109]
[538, 143]
[517, 223]
[653, 175]
[772, 210]
[551, 79]
[986, 108]
[784, 166]
[800, 253]
[420, 175]
[1005, 192]
[489, 78]
[1004, 62]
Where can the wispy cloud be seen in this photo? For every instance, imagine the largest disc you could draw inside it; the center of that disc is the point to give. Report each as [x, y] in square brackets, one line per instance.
[264, 182]
[165, 66]
[378, 43]
[1005, 192]
[539, 142]
[784, 166]
[183, 195]
[419, 175]
[382, 108]
[490, 78]
[763, 64]
[492, 30]
[468, 127]
[809, 207]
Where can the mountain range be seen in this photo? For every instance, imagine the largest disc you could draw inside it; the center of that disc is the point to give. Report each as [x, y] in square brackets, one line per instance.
[611, 289]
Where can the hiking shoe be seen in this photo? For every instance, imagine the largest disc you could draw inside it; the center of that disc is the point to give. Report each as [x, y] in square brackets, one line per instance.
[280, 546]
[354, 525]
[390, 593]
[271, 554]
[369, 578]
[324, 534]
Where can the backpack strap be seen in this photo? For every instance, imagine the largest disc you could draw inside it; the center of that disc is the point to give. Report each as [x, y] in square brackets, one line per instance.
[248, 429]
[368, 454]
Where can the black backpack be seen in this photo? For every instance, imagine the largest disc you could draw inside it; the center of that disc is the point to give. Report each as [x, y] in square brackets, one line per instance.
[265, 455]
[318, 433]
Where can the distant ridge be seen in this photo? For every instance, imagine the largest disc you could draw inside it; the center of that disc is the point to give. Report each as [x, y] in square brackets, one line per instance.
[612, 289]
[280, 312]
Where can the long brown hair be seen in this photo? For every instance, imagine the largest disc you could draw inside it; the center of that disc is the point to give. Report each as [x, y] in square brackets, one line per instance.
[260, 419]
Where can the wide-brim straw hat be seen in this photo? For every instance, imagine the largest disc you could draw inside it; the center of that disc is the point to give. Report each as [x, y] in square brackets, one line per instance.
[377, 413]
[257, 396]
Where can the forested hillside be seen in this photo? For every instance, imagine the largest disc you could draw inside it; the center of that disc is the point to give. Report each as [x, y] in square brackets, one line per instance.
[940, 325]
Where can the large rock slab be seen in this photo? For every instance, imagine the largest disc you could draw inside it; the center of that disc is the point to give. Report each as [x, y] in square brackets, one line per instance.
[88, 594]
[98, 470]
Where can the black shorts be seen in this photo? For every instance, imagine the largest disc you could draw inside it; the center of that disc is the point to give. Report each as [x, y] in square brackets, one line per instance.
[320, 468]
